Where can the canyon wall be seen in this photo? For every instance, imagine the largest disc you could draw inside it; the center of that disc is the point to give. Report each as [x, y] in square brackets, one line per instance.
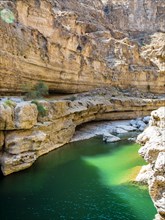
[78, 45]
[27, 132]
[153, 151]
[136, 15]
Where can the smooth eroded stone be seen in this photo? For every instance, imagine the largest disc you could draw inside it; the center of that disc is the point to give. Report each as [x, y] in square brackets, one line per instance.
[18, 142]
[13, 163]
[109, 138]
[127, 127]
[146, 119]
[119, 131]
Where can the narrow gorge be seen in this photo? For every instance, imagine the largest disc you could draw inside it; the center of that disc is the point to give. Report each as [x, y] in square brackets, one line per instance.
[65, 64]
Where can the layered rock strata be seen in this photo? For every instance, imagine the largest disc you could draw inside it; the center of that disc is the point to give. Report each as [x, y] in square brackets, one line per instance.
[153, 151]
[75, 45]
[27, 134]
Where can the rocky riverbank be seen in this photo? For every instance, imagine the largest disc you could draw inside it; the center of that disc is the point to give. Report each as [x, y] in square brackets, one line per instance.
[111, 130]
[153, 151]
[27, 133]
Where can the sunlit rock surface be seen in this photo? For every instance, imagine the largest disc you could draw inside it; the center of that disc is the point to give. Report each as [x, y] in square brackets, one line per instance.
[21, 116]
[153, 151]
[78, 45]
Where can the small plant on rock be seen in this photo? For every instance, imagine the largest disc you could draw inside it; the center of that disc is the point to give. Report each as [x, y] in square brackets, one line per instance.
[41, 89]
[41, 109]
[9, 103]
[37, 92]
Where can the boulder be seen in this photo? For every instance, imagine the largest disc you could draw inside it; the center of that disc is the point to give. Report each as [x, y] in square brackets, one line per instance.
[140, 124]
[109, 138]
[133, 123]
[119, 131]
[146, 119]
[127, 127]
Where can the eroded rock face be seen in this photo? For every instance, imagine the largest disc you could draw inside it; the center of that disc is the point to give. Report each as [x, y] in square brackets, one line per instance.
[153, 151]
[29, 135]
[25, 115]
[73, 45]
[137, 15]
[22, 116]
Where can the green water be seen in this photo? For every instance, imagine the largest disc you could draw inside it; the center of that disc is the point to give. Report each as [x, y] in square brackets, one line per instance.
[86, 180]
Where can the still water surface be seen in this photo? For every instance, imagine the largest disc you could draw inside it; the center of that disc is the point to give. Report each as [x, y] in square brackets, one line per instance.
[86, 180]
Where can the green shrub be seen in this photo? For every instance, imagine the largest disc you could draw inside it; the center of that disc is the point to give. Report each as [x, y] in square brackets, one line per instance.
[41, 89]
[41, 109]
[10, 103]
[37, 92]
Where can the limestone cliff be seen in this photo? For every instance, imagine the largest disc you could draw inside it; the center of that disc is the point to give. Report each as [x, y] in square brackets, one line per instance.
[153, 151]
[26, 134]
[77, 45]
[136, 15]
